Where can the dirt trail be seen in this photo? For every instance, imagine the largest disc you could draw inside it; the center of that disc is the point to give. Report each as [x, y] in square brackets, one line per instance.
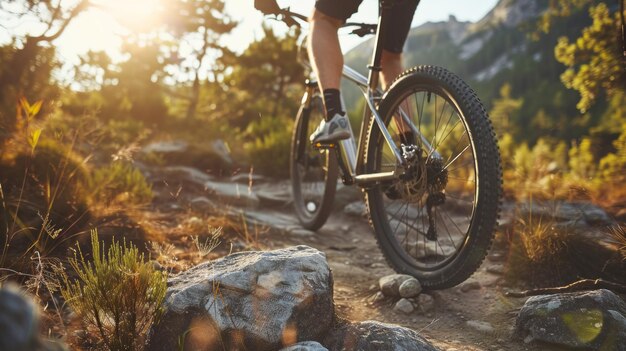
[357, 264]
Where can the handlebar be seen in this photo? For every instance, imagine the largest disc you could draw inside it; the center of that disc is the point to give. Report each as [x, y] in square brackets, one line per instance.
[289, 17]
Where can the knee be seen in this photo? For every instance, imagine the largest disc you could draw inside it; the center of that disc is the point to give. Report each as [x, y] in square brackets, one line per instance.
[389, 59]
[320, 19]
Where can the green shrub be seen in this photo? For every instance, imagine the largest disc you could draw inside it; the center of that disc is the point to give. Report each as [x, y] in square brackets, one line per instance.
[117, 295]
[269, 149]
[581, 162]
[120, 181]
[539, 253]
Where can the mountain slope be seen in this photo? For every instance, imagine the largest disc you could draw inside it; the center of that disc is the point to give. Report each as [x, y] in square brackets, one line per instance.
[496, 51]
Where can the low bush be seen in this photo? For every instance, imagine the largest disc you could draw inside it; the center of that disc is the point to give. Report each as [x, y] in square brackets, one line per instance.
[118, 294]
[269, 149]
[120, 181]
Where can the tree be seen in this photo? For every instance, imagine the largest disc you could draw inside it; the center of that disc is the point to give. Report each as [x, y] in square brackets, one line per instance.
[263, 78]
[27, 62]
[263, 89]
[594, 60]
[196, 28]
[505, 109]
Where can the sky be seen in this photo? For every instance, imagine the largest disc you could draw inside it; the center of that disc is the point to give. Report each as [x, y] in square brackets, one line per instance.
[96, 29]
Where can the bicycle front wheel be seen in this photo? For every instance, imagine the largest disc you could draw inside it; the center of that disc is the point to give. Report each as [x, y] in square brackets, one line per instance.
[437, 221]
[313, 171]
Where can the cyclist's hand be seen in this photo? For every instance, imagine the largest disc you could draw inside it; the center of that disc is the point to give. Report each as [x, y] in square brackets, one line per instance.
[268, 7]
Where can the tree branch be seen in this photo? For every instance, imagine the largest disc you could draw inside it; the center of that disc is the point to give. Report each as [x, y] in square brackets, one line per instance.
[581, 285]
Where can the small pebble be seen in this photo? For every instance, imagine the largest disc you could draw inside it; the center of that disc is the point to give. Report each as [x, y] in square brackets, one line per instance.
[410, 288]
[470, 284]
[426, 302]
[404, 306]
[389, 284]
[496, 269]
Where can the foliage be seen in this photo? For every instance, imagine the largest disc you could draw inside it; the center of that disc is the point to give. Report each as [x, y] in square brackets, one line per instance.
[118, 294]
[196, 29]
[269, 150]
[28, 61]
[594, 60]
[504, 108]
[581, 160]
[539, 253]
[264, 90]
[43, 199]
[120, 182]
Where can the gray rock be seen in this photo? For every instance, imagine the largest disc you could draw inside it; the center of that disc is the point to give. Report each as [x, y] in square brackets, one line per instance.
[220, 149]
[404, 306]
[410, 288]
[161, 147]
[483, 327]
[213, 156]
[273, 198]
[426, 303]
[470, 284]
[185, 174]
[202, 204]
[301, 232]
[232, 194]
[346, 195]
[566, 212]
[248, 300]
[19, 321]
[246, 178]
[305, 346]
[593, 320]
[356, 209]
[390, 284]
[376, 336]
[496, 269]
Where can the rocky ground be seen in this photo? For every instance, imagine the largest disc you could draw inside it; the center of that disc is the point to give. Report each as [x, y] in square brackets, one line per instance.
[472, 316]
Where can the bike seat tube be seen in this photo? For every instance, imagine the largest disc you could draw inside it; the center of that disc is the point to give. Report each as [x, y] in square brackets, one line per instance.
[375, 67]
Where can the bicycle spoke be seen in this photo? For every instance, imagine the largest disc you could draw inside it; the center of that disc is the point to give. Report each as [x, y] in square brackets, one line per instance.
[456, 158]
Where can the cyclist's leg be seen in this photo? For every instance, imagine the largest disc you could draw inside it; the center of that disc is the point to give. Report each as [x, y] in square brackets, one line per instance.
[327, 59]
[392, 66]
[393, 45]
[325, 51]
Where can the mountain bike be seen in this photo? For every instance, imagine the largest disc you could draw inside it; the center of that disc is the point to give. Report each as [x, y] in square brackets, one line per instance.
[426, 159]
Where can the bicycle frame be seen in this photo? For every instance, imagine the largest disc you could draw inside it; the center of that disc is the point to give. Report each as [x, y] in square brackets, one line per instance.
[350, 156]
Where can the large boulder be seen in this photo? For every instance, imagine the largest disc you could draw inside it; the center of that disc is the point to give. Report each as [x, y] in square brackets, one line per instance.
[19, 323]
[564, 212]
[249, 300]
[376, 336]
[593, 320]
[305, 346]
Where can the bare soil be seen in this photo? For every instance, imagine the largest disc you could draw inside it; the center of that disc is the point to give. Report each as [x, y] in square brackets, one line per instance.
[357, 264]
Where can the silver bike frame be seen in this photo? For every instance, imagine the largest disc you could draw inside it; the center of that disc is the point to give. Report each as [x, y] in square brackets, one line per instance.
[352, 157]
[348, 151]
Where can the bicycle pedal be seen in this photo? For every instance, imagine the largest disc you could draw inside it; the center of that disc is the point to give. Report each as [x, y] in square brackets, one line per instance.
[324, 146]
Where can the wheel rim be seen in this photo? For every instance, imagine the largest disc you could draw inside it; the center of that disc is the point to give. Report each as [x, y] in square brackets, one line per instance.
[439, 119]
[311, 169]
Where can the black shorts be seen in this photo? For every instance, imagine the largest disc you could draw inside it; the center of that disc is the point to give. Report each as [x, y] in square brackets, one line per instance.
[402, 13]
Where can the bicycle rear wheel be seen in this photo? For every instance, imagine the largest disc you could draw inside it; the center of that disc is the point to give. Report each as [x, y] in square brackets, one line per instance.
[313, 172]
[436, 222]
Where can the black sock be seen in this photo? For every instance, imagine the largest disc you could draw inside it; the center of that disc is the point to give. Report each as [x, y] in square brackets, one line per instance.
[332, 101]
